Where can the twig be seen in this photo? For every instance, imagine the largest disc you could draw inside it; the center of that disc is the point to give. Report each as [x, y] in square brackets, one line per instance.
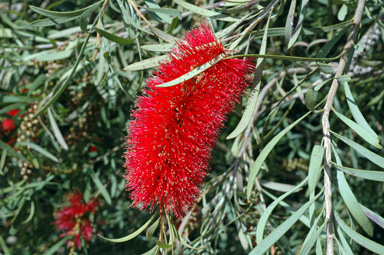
[325, 124]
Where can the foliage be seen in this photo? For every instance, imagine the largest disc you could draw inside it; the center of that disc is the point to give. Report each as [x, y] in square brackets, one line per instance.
[71, 71]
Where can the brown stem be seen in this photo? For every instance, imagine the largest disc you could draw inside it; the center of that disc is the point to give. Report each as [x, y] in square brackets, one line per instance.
[325, 122]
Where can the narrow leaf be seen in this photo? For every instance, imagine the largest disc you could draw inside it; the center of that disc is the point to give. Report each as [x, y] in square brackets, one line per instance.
[166, 47]
[255, 168]
[152, 229]
[147, 63]
[299, 23]
[355, 109]
[276, 234]
[152, 251]
[247, 115]
[53, 249]
[101, 187]
[204, 12]
[289, 22]
[114, 38]
[374, 158]
[163, 245]
[265, 216]
[65, 84]
[163, 35]
[315, 164]
[131, 236]
[362, 132]
[192, 73]
[310, 100]
[325, 68]
[38, 149]
[252, 100]
[352, 204]
[363, 241]
[56, 131]
[365, 174]
[373, 216]
[312, 236]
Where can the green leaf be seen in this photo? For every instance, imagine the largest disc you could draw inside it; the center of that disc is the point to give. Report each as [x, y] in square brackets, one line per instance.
[376, 159]
[49, 55]
[84, 16]
[152, 251]
[152, 229]
[255, 168]
[166, 11]
[2, 161]
[131, 236]
[321, 84]
[362, 132]
[166, 47]
[147, 63]
[310, 100]
[55, 247]
[38, 149]
[344, 78]
[352, 204]
[163, 245]
[55, 14]
[4, 247]
[101, 187]
[311, 238]
[56, 131]
[331, 44]
[282, 187]
[325, 68]
[114, 38]
[299, 23]
[204, 12]
[342, 12]
[276, 234]
[373, 216]
[247, 115]
[31, 214]
[163, 35]
[355, 109]
[252, 100]
[65, 84]
[58, 17]
[343, 240]
[161, 14]
[365, 174]
[192, 73]
[173, 25]
[290, 21]
[363, 241]
[315, 164]
[265, 216]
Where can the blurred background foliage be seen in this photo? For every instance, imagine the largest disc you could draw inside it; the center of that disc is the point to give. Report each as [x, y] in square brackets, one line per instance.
[75, 63]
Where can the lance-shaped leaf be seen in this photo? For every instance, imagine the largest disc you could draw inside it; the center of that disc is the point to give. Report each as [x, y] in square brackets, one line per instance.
[146, 63]
[193, 73]
[365, 174]
[362, 132]
[114, 38]
[276, 234]
[131, 236]
[357, 115]
[363, 241]
[374, 158]
[255, 168]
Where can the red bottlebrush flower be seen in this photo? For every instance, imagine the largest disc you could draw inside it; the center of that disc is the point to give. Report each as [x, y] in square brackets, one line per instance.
[74, 219]
[174, 128]
[7, 125]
